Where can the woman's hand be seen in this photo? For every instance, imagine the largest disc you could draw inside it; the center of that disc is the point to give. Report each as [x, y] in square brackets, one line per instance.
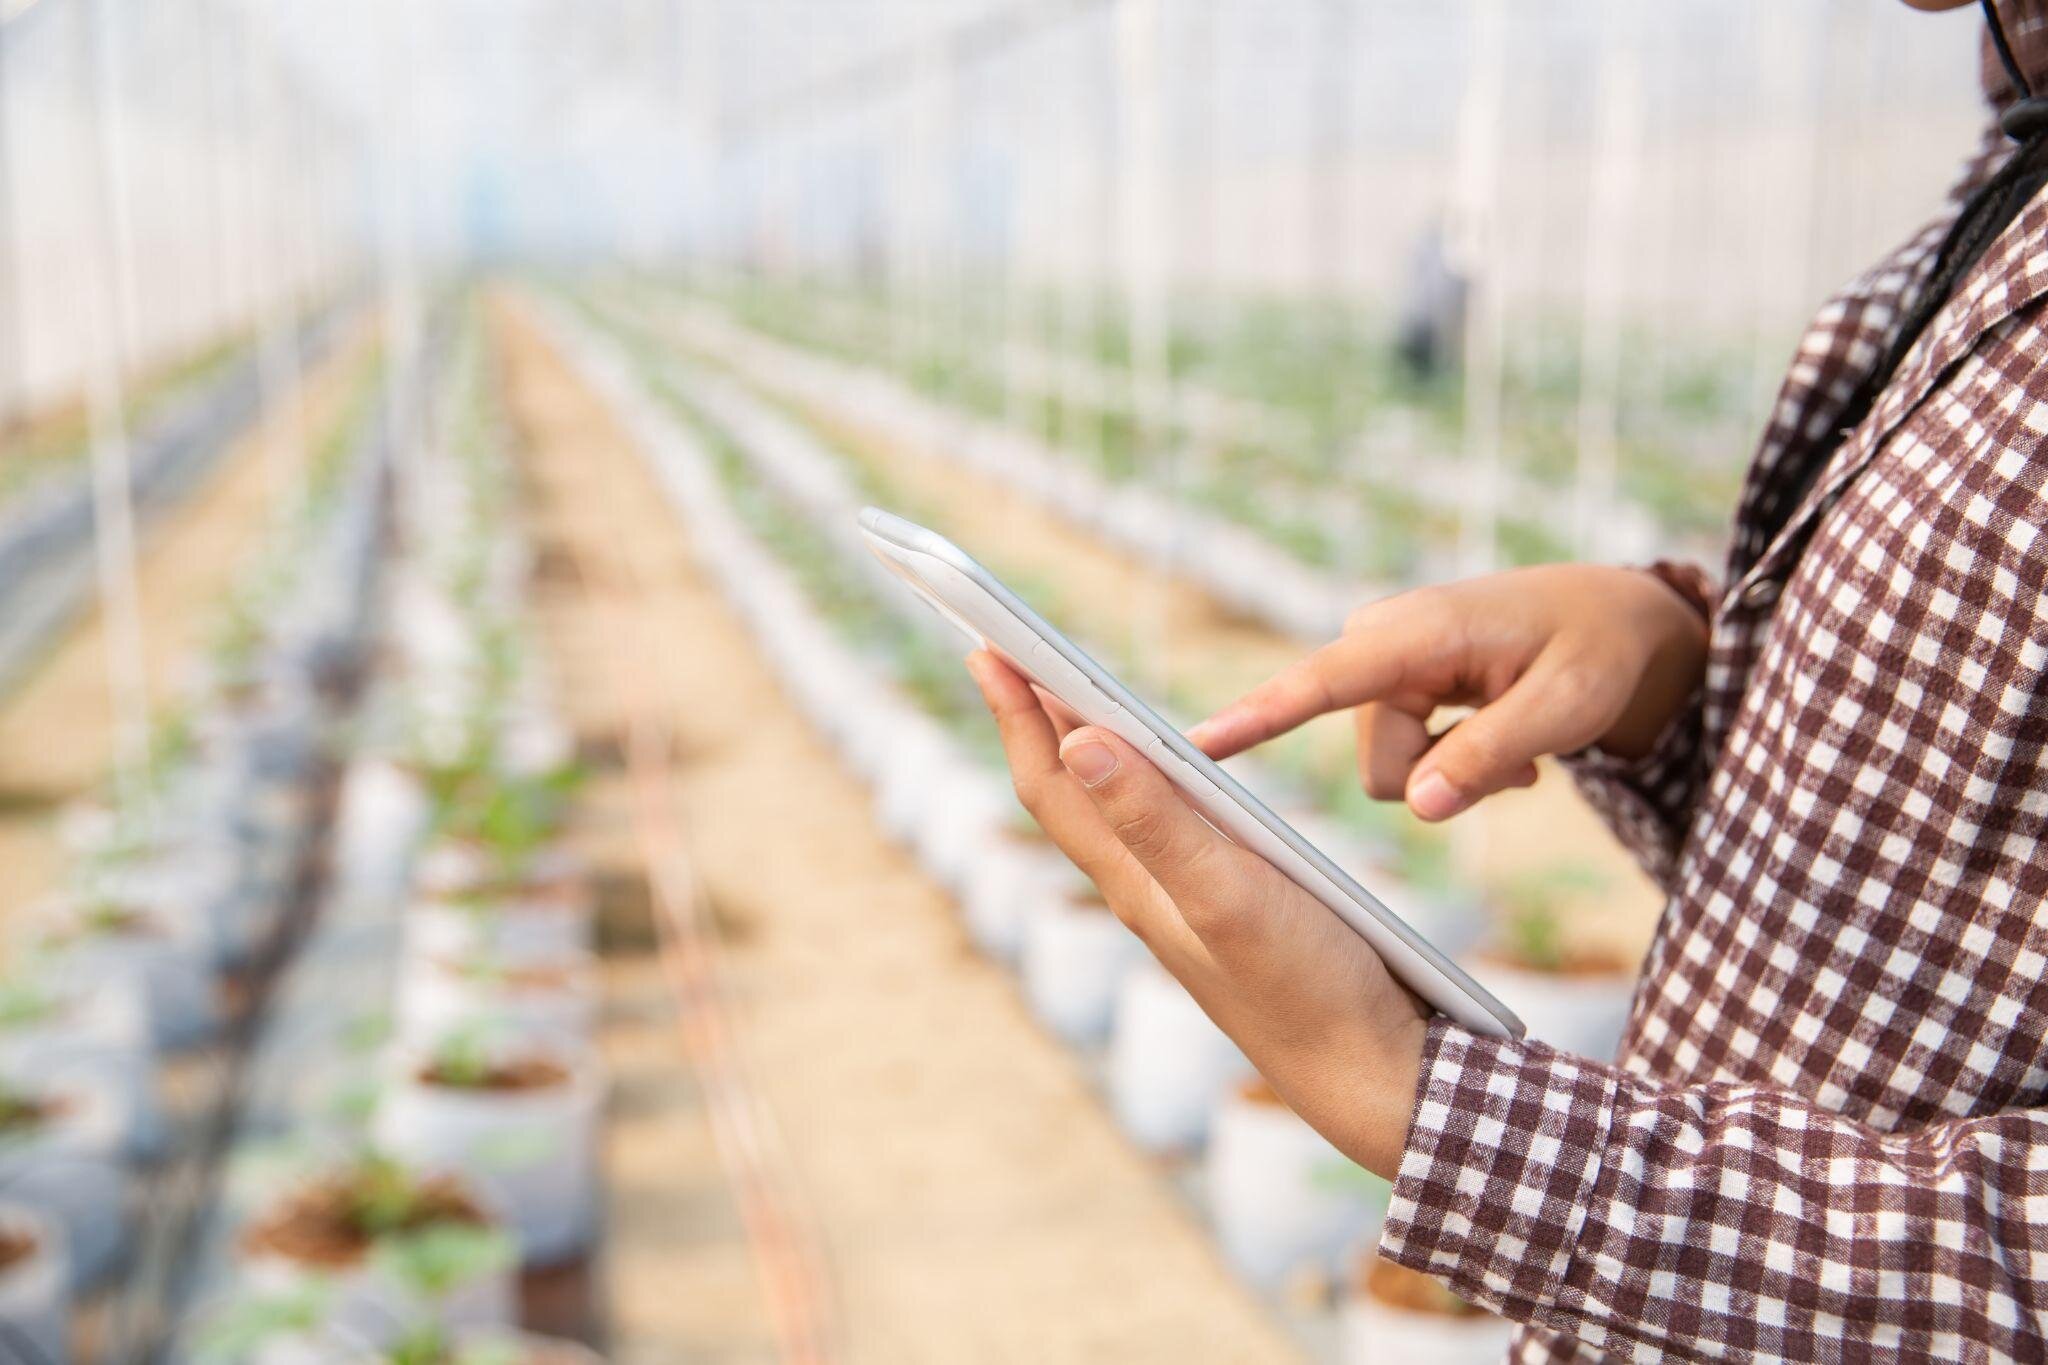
[1554, 658]
[1307, 999]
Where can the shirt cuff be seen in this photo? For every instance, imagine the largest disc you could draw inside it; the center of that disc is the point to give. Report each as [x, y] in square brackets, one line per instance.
[1504, 1149]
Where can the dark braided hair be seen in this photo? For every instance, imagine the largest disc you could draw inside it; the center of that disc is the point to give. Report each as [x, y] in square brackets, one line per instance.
[1988, 211]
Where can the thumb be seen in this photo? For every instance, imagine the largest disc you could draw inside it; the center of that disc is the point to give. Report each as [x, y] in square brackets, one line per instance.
[1146, 814]
[1546, 711]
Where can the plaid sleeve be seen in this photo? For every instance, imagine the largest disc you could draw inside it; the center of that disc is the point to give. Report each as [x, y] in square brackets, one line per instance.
[1648, 801]
[1649, 1220]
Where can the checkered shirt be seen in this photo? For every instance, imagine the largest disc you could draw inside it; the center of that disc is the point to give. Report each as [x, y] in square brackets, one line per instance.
[1826, 1133]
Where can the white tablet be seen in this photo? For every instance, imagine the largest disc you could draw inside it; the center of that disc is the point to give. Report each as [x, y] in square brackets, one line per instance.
[975, 601]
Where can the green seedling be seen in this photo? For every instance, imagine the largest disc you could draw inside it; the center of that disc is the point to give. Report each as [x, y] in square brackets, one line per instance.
[1533, 924]
[241, 1331]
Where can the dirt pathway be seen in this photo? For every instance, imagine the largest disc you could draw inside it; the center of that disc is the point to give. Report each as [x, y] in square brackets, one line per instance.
[975, 1199]
[57, 729]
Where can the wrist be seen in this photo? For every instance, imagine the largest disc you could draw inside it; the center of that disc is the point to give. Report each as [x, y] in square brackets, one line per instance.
[1377, 1099]
[1674, 623]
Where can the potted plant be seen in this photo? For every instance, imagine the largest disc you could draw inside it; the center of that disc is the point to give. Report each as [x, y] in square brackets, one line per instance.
[1169, 1065]
[35, 1297]
[973, 800]
[382, 818]
[345, 1231]
[98, 939]
[1076, 954]
[551, 1000]
[921, 767]
[519, 1120]
[1284, 1201]
[1571, 995]
[496, 878]
[438, 1346]
[53, 1031]
[281, 1328]
[441, 1347]
[468, 904]
[1397, 1316]
[58, 1141]
[1018, 869]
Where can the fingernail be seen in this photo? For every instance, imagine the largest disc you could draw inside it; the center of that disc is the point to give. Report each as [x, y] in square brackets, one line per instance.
[1089, 761]
[1434, 798]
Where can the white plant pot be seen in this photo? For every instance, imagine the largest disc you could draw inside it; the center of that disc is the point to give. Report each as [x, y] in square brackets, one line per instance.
[35, 1294]
[910, 787]
[1376, 1333]
[510, 1348]
[365, 1303]
[532, 742]
[525, 929]
[67, 1171]
[99, 1034]
[969, 806]
[533, 1152]
[383, 814]
[1076, 955]
[1579, 1013]
[1169, 1066]
[436, 998]
[450, 870]
[1011, 879]
[191, 885]
[1283, 1199]
[175, 982]
[1452, 923]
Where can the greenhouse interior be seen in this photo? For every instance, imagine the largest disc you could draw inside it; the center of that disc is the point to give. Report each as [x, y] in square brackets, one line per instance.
[494, 866]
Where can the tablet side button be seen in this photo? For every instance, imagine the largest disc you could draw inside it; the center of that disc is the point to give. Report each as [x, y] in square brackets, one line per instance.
[1182, 774]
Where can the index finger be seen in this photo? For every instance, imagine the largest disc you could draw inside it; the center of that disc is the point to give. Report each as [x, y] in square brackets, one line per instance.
[1357, 667]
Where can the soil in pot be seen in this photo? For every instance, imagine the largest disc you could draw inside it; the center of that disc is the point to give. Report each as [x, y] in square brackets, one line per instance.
[22, 1113]
[1254, 1090]
[17, 1245]
[1534, 936]
[522, 978]
[332, 1222]
[1567, 963]
[105, 920]
[1411, 1291]
[498, 1075]
[433, 1347]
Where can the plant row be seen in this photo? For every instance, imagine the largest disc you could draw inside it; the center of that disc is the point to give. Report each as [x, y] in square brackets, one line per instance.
[767, 508]
[1272, 405]
[179, 894]
[419, 1142]
[769, 393]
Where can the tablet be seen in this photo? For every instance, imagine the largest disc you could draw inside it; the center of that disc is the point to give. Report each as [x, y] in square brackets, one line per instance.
[993, 617]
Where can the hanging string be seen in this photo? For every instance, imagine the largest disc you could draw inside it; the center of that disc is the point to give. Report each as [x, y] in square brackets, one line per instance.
[13, 367]
[271, 297]
[113, 310]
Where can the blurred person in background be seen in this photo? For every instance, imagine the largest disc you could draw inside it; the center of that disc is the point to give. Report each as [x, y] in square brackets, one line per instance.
[1430, 336]
[1824, 1135]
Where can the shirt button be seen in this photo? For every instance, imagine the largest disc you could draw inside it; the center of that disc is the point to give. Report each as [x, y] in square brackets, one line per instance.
[1761, 593]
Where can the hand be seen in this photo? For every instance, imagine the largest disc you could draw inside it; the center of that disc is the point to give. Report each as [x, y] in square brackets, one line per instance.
[1307, 999]
[1555, 658]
